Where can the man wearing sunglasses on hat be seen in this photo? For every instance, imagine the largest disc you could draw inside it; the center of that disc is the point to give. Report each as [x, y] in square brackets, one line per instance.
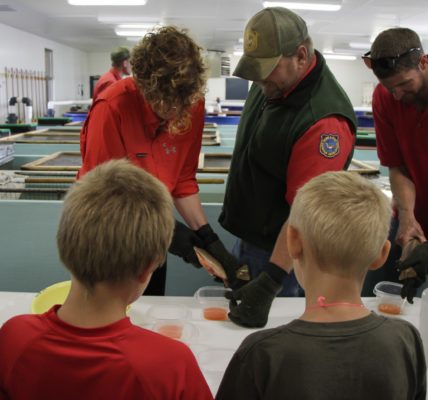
[400, 111]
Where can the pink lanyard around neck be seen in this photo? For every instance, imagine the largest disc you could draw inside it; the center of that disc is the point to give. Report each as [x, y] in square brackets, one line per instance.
[322, 304]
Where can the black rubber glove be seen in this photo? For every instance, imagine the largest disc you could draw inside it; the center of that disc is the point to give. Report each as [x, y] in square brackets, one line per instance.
[216, 248]
[182, 244]
[418, 260]
[256, 298]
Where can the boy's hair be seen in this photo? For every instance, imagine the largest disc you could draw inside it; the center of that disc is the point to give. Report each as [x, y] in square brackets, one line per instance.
[344, 218]
[116, 220]
[168, 67]
[394, 42]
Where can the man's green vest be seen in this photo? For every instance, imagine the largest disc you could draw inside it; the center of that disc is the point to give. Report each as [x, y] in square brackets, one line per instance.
[255, 207]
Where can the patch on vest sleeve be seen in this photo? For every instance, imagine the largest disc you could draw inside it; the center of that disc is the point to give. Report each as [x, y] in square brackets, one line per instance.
[329, 145]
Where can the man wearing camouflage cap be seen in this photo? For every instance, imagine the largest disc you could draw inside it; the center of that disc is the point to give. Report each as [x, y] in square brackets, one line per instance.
[120, 66]
[296, 124]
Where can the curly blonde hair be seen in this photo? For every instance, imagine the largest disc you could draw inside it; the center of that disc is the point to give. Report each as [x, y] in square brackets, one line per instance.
[167, 66]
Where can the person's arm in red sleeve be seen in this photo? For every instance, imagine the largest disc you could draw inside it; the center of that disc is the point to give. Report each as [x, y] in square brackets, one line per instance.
[101, 137]
[309, 159]
[185, 194]
[188, 204]
[389, 152]
[187, 184]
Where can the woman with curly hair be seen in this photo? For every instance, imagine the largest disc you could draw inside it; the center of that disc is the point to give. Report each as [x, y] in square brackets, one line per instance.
[156, 119]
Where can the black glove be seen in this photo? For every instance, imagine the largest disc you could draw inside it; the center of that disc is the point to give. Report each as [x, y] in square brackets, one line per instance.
[418, 260]
[216, 248]
[182, 244]
[256, 298]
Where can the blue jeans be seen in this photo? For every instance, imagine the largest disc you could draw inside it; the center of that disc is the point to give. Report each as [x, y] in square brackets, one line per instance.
[256, 258]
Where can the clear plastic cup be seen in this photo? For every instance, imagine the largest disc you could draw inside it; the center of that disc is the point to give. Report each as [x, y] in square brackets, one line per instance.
[176, 329]
[168, 312]
[213, 302]
[389, 298]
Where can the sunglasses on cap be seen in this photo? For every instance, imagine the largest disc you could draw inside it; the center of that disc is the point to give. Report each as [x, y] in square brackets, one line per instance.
[388, 63]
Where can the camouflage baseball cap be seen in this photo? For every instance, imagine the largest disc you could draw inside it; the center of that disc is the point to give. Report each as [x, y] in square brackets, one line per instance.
[270, 34]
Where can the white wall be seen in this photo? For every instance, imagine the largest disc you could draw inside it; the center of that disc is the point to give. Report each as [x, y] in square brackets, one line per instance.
[98, 63]
[22, 50]
[354, 77]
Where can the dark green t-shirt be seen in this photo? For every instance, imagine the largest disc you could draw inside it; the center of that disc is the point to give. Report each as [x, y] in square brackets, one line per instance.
[372, 358]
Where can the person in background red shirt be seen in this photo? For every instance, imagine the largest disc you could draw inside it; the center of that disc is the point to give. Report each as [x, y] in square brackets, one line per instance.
[400, 112]
[155, 119]
[120, 66]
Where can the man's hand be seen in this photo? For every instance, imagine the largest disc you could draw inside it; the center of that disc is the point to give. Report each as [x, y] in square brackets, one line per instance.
[408, 229]
[418, 261]
[182, 244]
[215, 247]
[255, 298]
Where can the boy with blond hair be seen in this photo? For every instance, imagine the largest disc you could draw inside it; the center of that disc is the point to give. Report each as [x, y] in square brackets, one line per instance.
[115, 229]
[338, 349]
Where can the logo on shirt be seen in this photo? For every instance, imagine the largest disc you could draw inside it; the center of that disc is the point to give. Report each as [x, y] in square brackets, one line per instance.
[329, 145]
[169, 150]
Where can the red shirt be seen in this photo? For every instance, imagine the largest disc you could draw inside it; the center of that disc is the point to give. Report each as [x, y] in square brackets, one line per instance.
[122, 124]
[402, 140]
[42, 357]
[105, 81]
[307, 161]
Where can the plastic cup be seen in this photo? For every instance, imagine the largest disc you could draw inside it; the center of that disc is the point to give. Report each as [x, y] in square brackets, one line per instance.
[168, 312]
[389, 298]
[176, 329]
[213, 303]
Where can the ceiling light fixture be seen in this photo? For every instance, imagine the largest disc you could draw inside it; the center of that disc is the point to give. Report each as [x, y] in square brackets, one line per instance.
[304, 6]
[107, 2]
[341, 57]
[144, 26]
[135, 32]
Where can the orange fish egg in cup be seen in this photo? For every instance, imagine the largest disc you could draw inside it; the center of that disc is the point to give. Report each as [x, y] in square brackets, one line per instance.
[213, 303]
[389, 298]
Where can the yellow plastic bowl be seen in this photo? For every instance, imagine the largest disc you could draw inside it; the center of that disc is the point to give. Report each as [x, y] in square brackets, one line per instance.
[54, 294]
[48, 297]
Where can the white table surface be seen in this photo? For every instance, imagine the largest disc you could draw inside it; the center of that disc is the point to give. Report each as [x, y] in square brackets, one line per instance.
[213, 342]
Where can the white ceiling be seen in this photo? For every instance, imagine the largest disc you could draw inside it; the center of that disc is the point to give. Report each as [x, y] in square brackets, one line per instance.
[215, 24]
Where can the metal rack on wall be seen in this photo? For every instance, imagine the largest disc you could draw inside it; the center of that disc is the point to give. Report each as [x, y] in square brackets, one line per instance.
[22, 83]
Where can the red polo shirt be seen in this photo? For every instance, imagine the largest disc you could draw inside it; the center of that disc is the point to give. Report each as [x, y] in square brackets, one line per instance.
[402, 140]
[122, 124]
[105, 81]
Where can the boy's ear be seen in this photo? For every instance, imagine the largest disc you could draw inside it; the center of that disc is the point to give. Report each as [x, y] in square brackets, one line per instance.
[380, 260]
[148, 271]
[294, 242]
